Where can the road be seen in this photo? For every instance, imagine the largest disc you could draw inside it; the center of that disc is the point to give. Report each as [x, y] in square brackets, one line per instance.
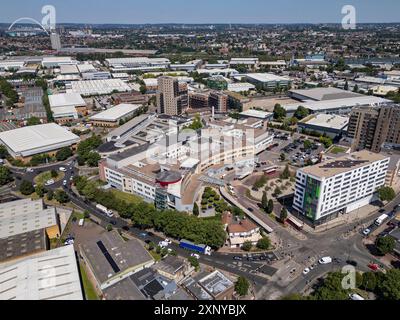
[217, 260]
[301, 253]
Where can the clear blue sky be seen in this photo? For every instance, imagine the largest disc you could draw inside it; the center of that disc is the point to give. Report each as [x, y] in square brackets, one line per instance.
[202, 11]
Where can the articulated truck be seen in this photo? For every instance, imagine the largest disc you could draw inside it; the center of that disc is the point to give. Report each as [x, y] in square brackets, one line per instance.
[201, 248]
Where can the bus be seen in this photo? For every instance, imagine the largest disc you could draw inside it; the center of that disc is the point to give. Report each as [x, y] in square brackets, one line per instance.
[295, 223]
[271, 170]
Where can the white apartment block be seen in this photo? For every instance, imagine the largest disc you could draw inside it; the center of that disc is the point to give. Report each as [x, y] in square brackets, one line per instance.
[339, 186]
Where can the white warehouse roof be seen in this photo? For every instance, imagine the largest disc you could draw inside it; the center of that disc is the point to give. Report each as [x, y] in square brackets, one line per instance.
[317, 106]
[66, 100]
[101, 87]
[116, 113]
[32, 140]
[51, 275]
[266, 77]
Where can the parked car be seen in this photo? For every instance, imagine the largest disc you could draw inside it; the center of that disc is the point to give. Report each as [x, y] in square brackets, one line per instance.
[62, 169]
[125, 228]
[366, 232]
[237, 258]
[306, 271]
[325, 260]
[354, 296]
[373, 266]
[195, 255]
[352, 263]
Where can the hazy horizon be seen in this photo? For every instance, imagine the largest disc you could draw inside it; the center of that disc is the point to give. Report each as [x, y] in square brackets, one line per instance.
[134, 12]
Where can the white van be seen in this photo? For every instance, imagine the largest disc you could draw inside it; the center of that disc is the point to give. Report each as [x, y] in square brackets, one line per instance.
[81, 222]
[325, 260]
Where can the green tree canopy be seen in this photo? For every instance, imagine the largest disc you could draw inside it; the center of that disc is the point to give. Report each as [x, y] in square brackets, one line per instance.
[386, 194]
[63, 154]
[247, 246]
[301, 113]
[26, 188]
[264, 243]
[385, 245]
[5, 176]
[242, 286]
[279, 112]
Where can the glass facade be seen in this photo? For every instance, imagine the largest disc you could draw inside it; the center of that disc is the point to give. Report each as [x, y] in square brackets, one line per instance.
[312, 193]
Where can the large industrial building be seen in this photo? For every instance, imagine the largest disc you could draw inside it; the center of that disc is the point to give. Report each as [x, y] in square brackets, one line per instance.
[325, 124]
[322, 94]
[98, 87]
[113, 116]
[268, 81]
[50, 275]
[67, 106]
[23, 143]
[339, 186]
[137, 64]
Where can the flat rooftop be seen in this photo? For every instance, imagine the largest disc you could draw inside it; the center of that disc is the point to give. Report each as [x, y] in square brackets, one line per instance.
[266, 77]
[322, 94]
[51, 275]
[66, 100]
[343, 164]
[110, 255]
[256, 114]
[115, 113]
[23, 244]
[216, 283]
[337, 103]
[37, 139]
[328, 121]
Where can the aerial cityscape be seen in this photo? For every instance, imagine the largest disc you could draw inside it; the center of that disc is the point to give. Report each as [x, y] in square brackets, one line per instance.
[177, 156]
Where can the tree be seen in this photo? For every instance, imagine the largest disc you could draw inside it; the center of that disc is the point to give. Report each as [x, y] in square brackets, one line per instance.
[194, 262]
[286, 173]
[242, 286]
[26, 188]
[277, 191]
[109, 227]
[282, 157]
[50, 195]
[86, 214]
[264, 243]
[389, 285]
[301, 113]
[327, 142]
[54, 173]
[40, 191]
[93, 159]
[385, 245]
[63, 154]
[369, 281]
[307, 144]
[61, 196]
[5, 176]
[3, 152]
[33, 121]
[293, 296]
[270, 207]
[247, 246]
[264, 202]
[279, 112]
[346, 86]
[331, 288]
[196, 210]
[386, 194]
[284, 215]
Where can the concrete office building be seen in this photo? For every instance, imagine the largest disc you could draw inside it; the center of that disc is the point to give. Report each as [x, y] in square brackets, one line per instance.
[339, 186]
[172, 99]
[218, 101]
[370, 128]
[23, 143]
